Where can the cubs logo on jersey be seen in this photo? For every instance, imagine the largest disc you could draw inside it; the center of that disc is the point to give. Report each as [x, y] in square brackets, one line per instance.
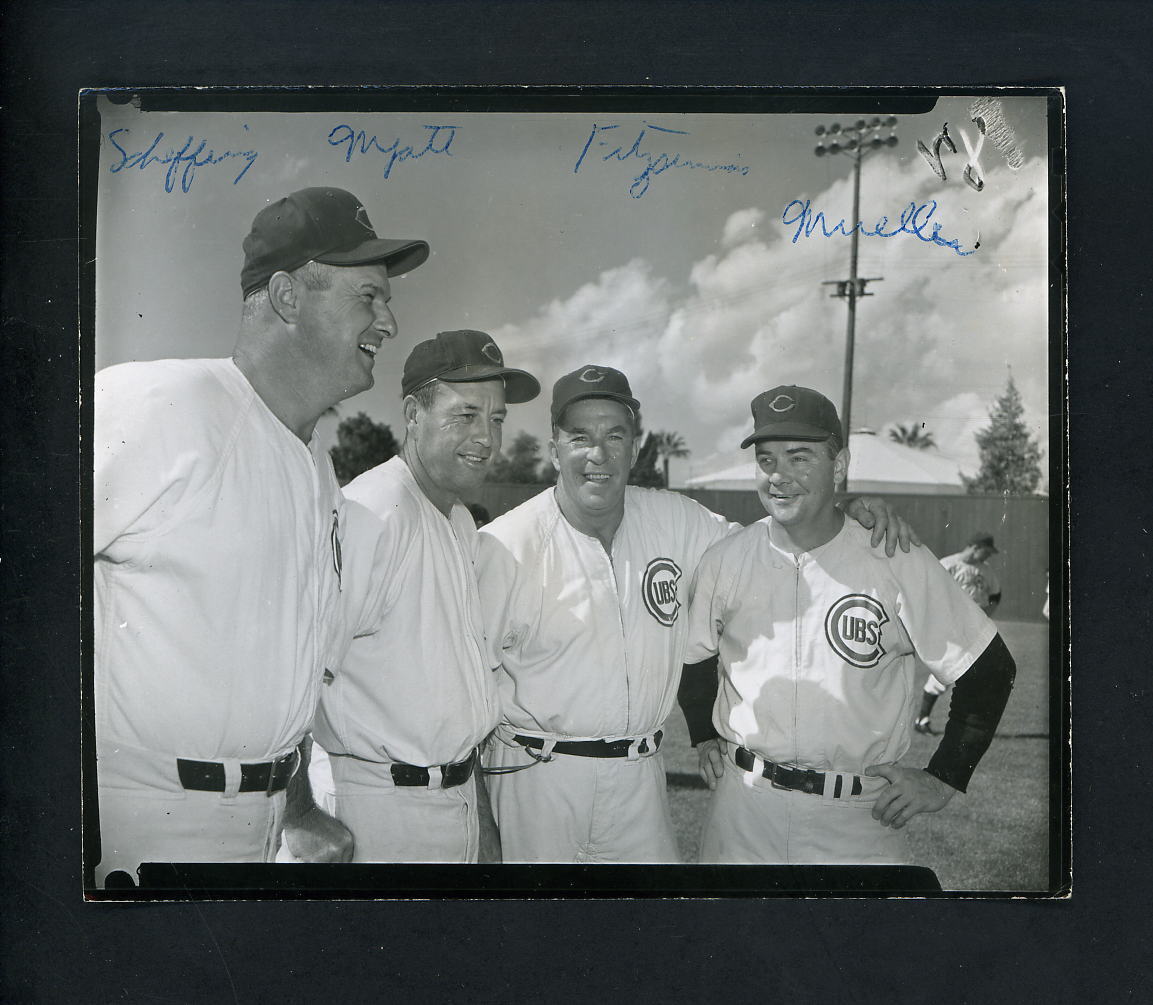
[659, 590]
[853, 628]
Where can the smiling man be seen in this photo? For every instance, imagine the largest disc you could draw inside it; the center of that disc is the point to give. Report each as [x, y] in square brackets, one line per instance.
[403, 714]
[581, 591]
[817, 635]
[217, 561]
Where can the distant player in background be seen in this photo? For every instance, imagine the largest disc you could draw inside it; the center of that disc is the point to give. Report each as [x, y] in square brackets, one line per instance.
[980, 582]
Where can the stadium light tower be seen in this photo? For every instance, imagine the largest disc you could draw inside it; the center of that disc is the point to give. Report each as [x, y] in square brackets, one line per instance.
[856, 140]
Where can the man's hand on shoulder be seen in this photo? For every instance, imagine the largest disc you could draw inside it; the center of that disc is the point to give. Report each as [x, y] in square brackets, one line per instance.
[872, 512]
[315, 836]
[711, 761]
[910, 791]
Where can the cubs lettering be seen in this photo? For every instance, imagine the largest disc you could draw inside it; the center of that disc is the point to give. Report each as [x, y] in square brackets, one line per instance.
[659, 590]
[853, 628]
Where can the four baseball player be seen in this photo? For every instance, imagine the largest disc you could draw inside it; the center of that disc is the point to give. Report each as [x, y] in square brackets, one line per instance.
[242, 601]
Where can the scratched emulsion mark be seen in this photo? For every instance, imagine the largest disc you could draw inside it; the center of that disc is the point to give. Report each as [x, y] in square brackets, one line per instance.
[191, 159]
[914, 220]
[997, 129]
[656, 162]
[437, 141]
[988, 116]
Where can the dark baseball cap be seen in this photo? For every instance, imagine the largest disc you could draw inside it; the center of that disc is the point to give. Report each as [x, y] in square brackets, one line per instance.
[985, 540]
[789, 412]
[591, 381]
[327, 225]
[462, 357]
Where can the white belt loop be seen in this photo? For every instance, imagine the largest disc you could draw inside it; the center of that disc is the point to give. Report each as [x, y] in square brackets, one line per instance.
[435, 776]
[231, 777]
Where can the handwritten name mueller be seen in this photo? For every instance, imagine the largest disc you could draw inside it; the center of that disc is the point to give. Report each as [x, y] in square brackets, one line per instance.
[915, 220]
[181, 163]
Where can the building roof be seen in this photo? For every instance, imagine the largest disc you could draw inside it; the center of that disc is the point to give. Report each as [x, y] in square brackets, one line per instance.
[876, 464]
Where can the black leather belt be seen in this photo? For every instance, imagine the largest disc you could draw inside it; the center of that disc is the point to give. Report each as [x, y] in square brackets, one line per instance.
[798, 779]
[593, 748]
[208, 776]
[450, 774]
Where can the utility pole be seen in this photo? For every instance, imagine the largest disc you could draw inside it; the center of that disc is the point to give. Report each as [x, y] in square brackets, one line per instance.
[855, 141]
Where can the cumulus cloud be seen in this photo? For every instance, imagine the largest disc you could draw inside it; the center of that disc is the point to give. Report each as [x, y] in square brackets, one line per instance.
[934, 344]
[742, 226]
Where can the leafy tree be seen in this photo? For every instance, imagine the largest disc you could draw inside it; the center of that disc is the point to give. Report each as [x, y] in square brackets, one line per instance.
[669, 445]
[645, 472]
[520, 463]
[912, 435]
[361, 444]
[1010, 457]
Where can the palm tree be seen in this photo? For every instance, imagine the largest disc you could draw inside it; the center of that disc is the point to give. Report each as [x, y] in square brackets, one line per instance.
[913, 436]
[669, 445]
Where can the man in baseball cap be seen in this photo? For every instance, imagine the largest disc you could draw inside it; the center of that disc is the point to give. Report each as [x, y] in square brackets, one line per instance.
[218, 526]
[816, 636]
[403, 713]
[583, 590]
[326, 225]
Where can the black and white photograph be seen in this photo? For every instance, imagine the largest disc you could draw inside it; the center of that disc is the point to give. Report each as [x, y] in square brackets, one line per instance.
[521, 493]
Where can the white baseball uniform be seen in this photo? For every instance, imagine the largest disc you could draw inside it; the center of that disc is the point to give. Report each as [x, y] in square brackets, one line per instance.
[417, 686]
[817, 655]
[216, 543]
[591, 645]
[979, 581]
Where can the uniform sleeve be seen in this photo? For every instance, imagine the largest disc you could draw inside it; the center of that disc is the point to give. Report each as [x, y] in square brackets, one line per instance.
[142, 466]
[946, 628]
[497, 570]
[706, 614]
[704, 526]
[978, 702]
[371, 559]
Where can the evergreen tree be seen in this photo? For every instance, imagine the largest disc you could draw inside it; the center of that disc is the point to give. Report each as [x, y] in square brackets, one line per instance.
[361, 444]
[1010, 457]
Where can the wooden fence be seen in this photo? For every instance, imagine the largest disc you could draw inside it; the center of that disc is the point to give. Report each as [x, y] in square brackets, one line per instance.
[1020, 526]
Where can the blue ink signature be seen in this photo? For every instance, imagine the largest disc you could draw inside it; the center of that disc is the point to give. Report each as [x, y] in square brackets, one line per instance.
[657, 163]
[438, 141]
[186, 155]
[914, 219]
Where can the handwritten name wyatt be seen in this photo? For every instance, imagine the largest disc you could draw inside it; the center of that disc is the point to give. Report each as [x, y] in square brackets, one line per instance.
[182, 163]
[437, 141]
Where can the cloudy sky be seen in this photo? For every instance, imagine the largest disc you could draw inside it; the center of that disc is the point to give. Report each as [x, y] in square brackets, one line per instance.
[688, 279]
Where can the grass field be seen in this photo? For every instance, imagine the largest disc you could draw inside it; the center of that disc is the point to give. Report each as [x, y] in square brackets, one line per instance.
[993, 838]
